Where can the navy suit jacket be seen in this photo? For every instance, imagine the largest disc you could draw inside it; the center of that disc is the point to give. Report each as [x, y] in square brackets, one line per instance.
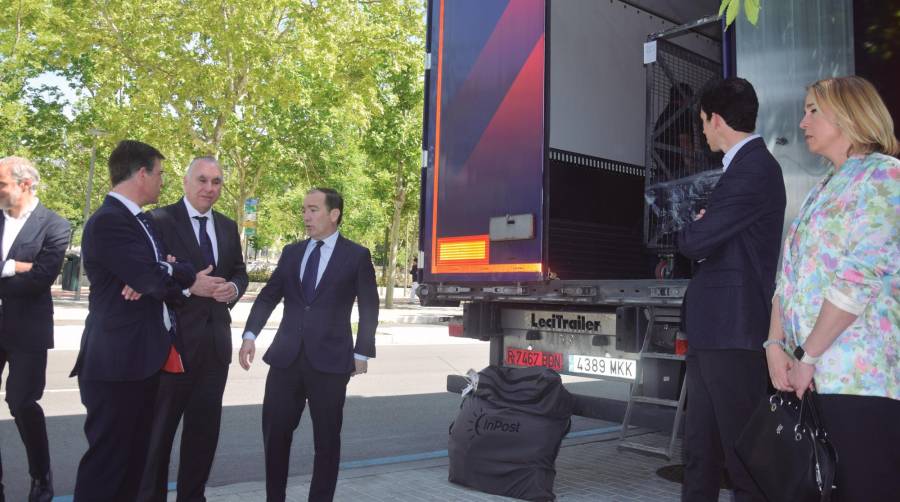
[201, 318]
[729, 299]
[27, 320]
[323, 325]
[125, 340]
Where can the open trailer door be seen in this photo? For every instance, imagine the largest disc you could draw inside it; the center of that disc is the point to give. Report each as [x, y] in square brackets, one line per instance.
[484, 142]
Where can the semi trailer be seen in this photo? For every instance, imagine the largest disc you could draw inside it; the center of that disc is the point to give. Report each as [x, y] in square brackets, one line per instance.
[548, 125]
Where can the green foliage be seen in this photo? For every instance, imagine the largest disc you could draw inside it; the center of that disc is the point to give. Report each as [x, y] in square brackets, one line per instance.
[288, 94]
[259, 275]
[731, 9]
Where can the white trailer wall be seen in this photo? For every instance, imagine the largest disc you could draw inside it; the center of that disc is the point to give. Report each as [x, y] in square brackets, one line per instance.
[597, 81]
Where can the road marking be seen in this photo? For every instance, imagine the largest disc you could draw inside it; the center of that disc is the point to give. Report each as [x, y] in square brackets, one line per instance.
[68, 498]
[51, 391]
[397, 459]
[355, 464]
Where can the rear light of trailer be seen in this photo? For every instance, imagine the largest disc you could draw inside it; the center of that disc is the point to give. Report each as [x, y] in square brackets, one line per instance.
[455, 326]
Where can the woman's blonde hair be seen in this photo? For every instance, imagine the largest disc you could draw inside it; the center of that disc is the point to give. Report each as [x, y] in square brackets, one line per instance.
[860, 113]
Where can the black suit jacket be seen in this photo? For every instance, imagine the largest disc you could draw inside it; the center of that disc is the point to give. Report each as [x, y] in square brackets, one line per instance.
[125, 340]
[200, 319]
[322, 326]
[27, 320]
[729, 299]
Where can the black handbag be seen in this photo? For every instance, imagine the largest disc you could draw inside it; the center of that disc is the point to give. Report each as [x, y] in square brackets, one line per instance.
[786, 450]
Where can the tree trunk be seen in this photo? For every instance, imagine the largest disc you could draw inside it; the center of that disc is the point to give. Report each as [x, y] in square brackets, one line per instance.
[394, 238]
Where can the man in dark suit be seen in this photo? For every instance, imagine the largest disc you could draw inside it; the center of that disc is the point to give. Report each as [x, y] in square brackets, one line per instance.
[33, 240]
[312, 356]
[128, 335]
[209, 241]
[737, 240]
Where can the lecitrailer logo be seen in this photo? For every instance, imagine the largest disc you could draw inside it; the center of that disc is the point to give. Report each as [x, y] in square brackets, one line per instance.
[480, 423]
[561, 322]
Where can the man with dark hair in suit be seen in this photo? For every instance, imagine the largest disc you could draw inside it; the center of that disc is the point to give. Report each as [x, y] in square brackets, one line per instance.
[33, 240]
[736, 239]
[129, 332]
[209, 241]
[312, 356]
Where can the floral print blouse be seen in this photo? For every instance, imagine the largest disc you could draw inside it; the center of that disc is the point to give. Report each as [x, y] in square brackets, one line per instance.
[844, 247]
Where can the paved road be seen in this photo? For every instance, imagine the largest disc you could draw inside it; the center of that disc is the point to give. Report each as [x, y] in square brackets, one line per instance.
[399, 408]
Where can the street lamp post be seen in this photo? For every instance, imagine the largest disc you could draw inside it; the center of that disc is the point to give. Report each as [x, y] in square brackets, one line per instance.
[96, 133]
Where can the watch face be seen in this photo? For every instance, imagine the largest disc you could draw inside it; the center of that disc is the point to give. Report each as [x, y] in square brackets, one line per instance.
[799, 352]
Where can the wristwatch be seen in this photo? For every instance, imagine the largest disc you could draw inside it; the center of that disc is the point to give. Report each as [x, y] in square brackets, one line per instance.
[803, 357]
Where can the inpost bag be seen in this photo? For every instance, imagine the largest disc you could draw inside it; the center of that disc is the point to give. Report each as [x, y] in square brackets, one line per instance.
[507, 434]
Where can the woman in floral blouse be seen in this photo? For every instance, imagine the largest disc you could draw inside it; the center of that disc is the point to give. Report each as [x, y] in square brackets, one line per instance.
[838, 294]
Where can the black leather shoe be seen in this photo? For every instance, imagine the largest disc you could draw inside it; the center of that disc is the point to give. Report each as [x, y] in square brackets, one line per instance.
[42, 489]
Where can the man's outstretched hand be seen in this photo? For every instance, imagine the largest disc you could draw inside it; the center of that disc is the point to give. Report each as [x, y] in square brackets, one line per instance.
[247, 353]
[205, 284]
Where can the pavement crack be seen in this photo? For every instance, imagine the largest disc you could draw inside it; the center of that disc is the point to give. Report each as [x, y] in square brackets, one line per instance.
[450, 365]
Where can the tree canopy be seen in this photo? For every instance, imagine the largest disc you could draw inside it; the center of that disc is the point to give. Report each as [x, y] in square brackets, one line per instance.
[288, 94]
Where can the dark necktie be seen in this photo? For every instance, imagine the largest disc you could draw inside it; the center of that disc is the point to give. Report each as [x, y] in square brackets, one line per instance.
[205, 242]
[311, 273]
[173, 363]
[145, 220]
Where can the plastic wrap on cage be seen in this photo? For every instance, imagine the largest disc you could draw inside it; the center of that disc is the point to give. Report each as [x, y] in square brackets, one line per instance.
[675, 202]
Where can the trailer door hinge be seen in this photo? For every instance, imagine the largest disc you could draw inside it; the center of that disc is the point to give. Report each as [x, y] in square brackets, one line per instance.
[427, 61]
[425, 159]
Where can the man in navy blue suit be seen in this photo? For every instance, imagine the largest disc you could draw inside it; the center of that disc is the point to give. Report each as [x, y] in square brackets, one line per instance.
[129, 331]
[209, 240]
[313, 356]
[33, 241]
[736, 240]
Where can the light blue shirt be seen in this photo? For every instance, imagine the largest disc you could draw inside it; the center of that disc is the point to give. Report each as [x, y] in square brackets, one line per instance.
[729, 155]
[324, 256]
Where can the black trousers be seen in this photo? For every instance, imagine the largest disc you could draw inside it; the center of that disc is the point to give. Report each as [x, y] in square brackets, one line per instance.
[723, 389]
[197, 396]
[865, 432]
[24, 388]
[117, 427]
[287, 392]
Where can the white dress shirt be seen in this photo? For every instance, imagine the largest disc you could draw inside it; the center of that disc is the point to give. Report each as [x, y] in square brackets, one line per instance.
[729, 155]
[11, 228]
[210, 231]
[210, 227]
[136, 210]
[324, 256]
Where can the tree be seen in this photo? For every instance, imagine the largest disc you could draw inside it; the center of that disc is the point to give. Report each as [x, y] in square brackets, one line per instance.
[731, 9]
[394, 133]
[288, 94]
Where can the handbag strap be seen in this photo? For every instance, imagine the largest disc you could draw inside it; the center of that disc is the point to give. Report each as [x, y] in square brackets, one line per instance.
[811, 409]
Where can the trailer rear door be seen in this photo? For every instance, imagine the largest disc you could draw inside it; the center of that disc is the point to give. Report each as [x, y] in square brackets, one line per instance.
[485, 142]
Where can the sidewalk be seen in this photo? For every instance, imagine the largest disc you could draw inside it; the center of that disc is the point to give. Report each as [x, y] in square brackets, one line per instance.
[588, 469]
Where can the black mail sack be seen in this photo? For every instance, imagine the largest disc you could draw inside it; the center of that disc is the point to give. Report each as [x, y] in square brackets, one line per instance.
[508, 432]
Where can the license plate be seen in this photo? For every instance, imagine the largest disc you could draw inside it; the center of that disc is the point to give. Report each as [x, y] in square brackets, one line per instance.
[522, 357]
[603, 366]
